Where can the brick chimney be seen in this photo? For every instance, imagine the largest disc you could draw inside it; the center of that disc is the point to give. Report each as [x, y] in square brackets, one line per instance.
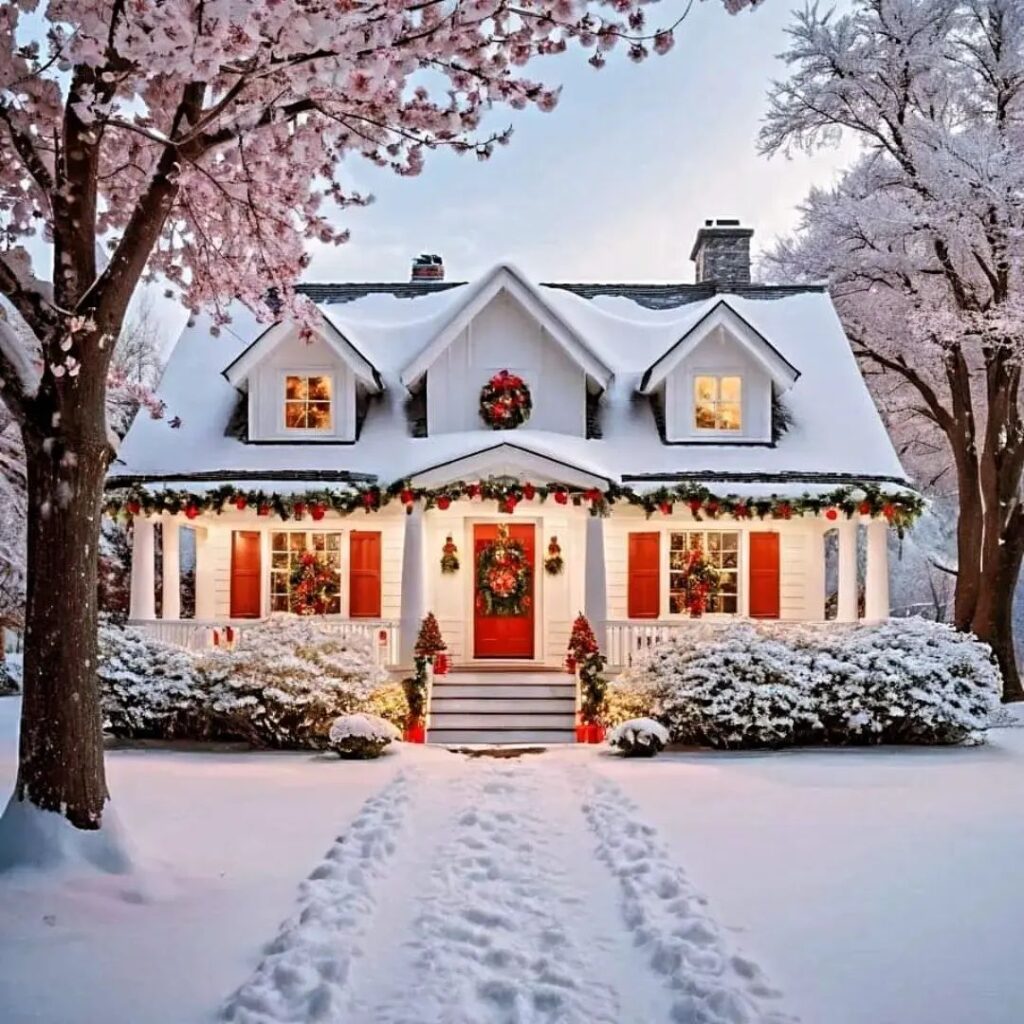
[427, 268]
[722, 252]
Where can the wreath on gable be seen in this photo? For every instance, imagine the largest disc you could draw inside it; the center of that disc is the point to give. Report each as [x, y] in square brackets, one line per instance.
[314, 585]
[505, 401]
[503, 577]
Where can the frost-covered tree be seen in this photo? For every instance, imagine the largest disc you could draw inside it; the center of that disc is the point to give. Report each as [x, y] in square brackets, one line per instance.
[922, 241]
[203, 140]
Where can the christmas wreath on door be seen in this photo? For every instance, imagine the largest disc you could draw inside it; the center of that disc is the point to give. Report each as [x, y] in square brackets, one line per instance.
[503, 577]
[505, 401]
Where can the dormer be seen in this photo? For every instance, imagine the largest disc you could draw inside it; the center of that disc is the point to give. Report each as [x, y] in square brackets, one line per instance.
[303, 389]
[506, 323]
[715, 384]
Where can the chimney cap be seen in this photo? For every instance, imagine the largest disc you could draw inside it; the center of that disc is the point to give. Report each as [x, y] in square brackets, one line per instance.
[721, 227]
[427, 267]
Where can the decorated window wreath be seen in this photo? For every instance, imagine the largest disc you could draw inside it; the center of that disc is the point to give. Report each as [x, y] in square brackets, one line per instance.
[505, 401]
[314, 585]
[503, 577]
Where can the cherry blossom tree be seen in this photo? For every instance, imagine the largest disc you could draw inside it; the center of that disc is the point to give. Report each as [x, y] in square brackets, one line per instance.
[203, 141]
[922, 241]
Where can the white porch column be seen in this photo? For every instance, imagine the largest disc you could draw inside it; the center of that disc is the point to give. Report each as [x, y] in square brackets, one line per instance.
[143, 597]
[205, 598]
[846, 607]
[414, 585]
[171, 593]
[595, 589]
[876, 585]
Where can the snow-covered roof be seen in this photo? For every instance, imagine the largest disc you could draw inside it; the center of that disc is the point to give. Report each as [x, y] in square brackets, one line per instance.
[835, 433]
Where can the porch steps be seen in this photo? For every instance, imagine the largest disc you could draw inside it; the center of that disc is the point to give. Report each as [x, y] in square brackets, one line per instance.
[508, 707]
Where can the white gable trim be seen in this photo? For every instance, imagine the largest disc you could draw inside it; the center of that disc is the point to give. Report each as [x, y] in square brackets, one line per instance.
[507, 279]
[238, 372]
[782, 372]
[508, 460]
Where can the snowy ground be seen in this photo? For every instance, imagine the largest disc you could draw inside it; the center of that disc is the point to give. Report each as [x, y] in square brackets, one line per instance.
[869, 887]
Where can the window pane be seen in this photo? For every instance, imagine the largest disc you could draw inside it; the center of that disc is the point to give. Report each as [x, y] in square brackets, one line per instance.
[279, 541]
[297, 541]
[705, 417]
[279, 603]
[730, 559]
[319, 542]
[676, 580]
[729, 389]
[279, 560]
[675, 604]
[714, 543]
[729, 416]
[678, 541]
[319, 389]
[730, 541]
[676, 560]
[334, 542]
[319, 416]
[295, 388]
[294, 416]
[706, 389]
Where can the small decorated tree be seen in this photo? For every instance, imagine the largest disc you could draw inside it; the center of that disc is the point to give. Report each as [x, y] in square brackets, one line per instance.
[430, 642]
[587, 660]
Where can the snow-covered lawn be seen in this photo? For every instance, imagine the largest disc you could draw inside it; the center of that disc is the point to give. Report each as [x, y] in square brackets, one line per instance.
[563, 888]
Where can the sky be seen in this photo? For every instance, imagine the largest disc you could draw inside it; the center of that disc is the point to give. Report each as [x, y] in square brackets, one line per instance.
[613, 184]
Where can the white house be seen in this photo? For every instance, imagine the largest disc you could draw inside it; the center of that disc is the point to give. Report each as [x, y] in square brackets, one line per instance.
[723, 415]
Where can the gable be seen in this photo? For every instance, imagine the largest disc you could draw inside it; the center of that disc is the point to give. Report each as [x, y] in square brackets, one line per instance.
[505, 281]
[725, 325]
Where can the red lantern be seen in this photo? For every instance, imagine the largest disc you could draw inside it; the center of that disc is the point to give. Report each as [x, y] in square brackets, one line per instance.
[831, 513]
[191, 511]
[407, 497]
[318, 511]
[299, 509]
[865, 508]
[666, 508]
[240, 502]
[529, 491]
[263, 510]
[561, 497]
[444, 502]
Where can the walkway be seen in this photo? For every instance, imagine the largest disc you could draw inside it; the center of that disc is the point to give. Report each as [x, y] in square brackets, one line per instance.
[481, 891]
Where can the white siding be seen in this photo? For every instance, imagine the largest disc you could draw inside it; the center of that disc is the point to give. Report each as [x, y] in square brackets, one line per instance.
[720, 354]
[504, 336]
[266, 391]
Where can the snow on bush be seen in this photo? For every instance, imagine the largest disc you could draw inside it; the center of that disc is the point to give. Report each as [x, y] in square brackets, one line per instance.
[904, 681]
[283, 686]
[148, 688]
[626, 699]
[287, 680]
[639, 737]
[361, 735]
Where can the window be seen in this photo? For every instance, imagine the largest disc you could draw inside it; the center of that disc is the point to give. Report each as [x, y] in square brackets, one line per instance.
[286, 548]
[717, 404]
[722, 550]
[307, 402]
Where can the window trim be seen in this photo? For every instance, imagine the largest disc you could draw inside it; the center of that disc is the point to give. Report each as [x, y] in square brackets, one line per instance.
[718, 432]
[703, 527]
[282, 402]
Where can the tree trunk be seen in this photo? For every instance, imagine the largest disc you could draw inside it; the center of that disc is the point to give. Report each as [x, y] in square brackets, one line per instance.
[61, 753]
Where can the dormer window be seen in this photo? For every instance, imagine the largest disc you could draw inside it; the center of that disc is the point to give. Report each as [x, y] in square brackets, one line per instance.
[307, 402]
[717, 403]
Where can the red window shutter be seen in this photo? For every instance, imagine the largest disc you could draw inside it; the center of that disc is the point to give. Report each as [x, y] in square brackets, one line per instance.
[764, 575]
[644, 575]
[364, 574]
[246, 573]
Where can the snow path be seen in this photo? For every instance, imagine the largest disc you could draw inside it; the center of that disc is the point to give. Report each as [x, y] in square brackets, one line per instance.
[501, 892]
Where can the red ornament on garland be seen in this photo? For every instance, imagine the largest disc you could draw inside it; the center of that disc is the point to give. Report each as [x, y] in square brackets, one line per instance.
[666, 508]
[191, 511]
[865, 508]
[711, 507]
[831, 513]
[240, 502]
[369, 500]
[407, 497]
[134, 508]
[561, 497]
[694, 504]
[593, 495]
[444, 502]
[263, 510]
[529, 491]
[889, 511]
[473, 490]
[318, 511]
[741, 511]
[299, 509]
[784, 511]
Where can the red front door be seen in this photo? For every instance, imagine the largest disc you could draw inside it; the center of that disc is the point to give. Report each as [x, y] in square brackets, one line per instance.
[503, 636]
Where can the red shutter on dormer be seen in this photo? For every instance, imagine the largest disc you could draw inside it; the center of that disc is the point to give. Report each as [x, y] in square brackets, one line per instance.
[644, 575]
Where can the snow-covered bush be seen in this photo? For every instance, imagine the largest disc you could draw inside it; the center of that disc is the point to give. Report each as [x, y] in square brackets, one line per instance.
[148, 689]
[287, 680]
[361, 736]
[904, 681]
[388, 702]
[626, 698]
[639, 737]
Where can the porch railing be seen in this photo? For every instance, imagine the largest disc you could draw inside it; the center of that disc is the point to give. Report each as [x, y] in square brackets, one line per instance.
[197, 634]
[629, 640]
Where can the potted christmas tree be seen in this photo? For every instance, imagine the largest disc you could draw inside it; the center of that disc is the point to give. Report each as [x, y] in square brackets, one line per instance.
[588, 662]
[430, 645]
[415, 687]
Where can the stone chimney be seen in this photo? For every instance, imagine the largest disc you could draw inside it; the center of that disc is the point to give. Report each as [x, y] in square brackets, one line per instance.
[722, 252]
[427, 268]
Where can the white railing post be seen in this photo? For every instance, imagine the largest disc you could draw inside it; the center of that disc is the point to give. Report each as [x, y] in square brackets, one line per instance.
[143, 597]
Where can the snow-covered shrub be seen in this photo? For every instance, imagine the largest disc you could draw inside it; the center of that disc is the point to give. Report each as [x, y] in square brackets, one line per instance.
[287, 680]
[148, 688]
[741, 685]
[735, 687]
[639, 737]
[626, 698]
[361, 736]
[904, 681]
[388, 702]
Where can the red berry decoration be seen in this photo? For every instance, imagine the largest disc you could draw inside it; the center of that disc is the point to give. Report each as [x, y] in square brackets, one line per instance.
[561, 497]
[865, 508]
[444, 502]
[191, 511]
[529, 491]
[240, 502]
[407, 497]
[889, 511]
[318, 511]
[831, 513]
[369, 500]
